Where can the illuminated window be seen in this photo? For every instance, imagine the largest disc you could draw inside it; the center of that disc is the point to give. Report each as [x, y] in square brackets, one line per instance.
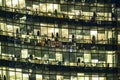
[59, 77]
[25, 76]
[24, 53]
[38, 77]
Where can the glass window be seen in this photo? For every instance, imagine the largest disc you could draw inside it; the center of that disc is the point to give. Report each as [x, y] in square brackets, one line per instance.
[64, 8]
[87, 58]
[59, 57]
[12, 74]
[80, 76]
[24, 53]
[18, 74]
[25, 76]
[52, 55]
[38, 54]
[95, 77]
[0, 49]
[38, 77]
[8, 3]
[43, 31]
[102, 57]
[59, 77]
[118, 37]
[52, 77]
[45, 77]
[0, 2]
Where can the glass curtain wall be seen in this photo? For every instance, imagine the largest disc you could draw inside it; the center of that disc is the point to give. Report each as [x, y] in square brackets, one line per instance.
[56, 45]
[61, 9]
[20, 74]
[24, 39]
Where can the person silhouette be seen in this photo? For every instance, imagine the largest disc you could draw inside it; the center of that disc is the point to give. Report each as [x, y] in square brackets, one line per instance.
[93, 39]
[78, 61]
[4, 77]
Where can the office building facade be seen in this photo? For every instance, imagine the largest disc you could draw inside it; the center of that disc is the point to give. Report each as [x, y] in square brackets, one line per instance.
[59, 40]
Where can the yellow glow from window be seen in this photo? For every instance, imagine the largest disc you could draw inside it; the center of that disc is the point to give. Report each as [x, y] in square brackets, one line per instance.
[52, 7]
[35, 7]
[73, 78]
[58, 56]
[0, 2]
[12, 73]
[65, 33]
[24, 53]
[86, 78]
[19, 70]
[109, 34]
[11, 69]
[119, 39]
[59, 77]
[56, 6]
[87, 57]
[102, 78]
[53, 30]
[18, 76]
[8, 3]
[95, 77]
[15, 3]
[25, 77]
[21, 3]
[80, 74]
[109, 59]
[49, 7]
[43, 7]
[80, 78]
[9, 27]
[38, 77]
[93, 33]
[94, 60]
[110, 52]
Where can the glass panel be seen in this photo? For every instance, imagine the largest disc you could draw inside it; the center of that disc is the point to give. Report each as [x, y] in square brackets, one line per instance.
[59, 57]
[0, 50]
[80, 78]
[87, 56]
[118, 37]
[87, 78]
[0, 73]
[45, 77]
[12, 74]
[59, 77]
[24, 53]
[21, 4]
[18, 76]
[93, 36]
[38, 77]
[102, 78]
[14, 3]
[73, 78]
[65, 34]
[109, 60]
[95, 77]
[25, 77]
[8, 3]
[43, 31]
[0, 2]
